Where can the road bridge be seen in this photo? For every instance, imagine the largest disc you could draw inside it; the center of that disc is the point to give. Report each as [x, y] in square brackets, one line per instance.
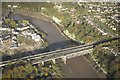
[64, 54]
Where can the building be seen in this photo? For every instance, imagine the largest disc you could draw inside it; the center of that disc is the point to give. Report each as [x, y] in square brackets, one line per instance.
[22, 28]
[13, 46]
[15, 6]
[36, 37]
[5, 36]
[56, 20]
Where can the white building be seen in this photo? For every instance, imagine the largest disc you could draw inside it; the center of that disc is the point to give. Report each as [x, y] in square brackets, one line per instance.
[26, 33]
[36, 37]
[43, 8]
[14, 6]
[14, 37]
[5, 29]
[56, 19]
[98, 9]
[23, 28]
[0, 21]
[58, 7]
[9, 6]
[14, 32]
[89, 10]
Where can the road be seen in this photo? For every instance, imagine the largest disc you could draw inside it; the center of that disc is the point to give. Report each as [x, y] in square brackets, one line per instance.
[57, 40]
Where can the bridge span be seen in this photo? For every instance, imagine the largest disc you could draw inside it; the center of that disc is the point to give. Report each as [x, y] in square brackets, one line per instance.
[64, 54]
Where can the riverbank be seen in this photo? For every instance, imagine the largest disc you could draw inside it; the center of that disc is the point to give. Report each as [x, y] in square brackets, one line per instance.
[41, 16]
[55, 34]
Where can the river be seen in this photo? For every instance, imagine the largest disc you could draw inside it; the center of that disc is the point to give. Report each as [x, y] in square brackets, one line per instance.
[54, 37]
[75, 68]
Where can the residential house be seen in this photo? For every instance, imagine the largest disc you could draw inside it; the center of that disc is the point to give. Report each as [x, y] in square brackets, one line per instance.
[36, 37]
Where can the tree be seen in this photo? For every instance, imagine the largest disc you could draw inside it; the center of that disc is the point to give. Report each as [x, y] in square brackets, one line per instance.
[36, 70]
[13, 24]
[30, 67]
[25, 21]
[7, 20]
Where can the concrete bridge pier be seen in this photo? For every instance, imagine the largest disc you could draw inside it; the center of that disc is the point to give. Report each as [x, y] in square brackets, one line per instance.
[42, 63]
[64, 58]
[53, 61]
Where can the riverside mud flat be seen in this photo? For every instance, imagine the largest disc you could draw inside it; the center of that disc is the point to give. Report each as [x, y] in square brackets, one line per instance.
[77, 67]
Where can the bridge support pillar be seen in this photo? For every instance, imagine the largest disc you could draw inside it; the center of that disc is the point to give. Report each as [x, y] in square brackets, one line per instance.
[53, 61]
[64, 59]
[43, 63]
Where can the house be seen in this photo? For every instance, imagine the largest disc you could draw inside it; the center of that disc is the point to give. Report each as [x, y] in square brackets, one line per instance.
[4, 29]
[58, 7]
[78, 22]
[26, 33]
[56, 19]
[15, 6]
[31, 26]
[36, 37]
[113, 28]
[14, 37]
[0, 21]
[14, 41]
[9, 6]
[22, 28]
[43, 8]
[13, 46]
[89, 10]
[5, 36]
[98, 9]
[64, 9]
[14, 32]
[0, 38]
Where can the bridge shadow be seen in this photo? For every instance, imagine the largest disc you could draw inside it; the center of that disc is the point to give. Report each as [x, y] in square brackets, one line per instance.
[50, 47]
[106, 40]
